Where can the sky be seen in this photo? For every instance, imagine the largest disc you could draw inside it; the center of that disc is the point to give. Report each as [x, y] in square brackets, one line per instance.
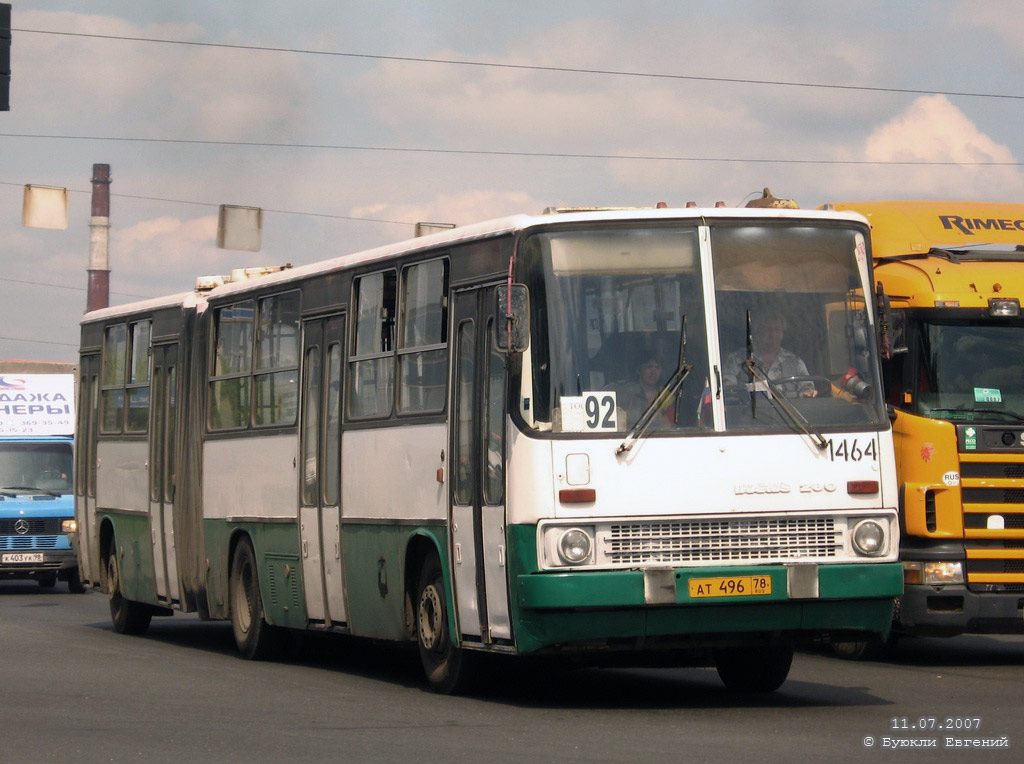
[348, 122]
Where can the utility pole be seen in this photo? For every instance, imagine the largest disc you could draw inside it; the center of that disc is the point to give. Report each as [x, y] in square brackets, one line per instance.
[5, 56]
[98, 295]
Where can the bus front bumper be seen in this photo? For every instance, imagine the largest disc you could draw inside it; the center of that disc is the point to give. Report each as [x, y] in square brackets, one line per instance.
[805, 601]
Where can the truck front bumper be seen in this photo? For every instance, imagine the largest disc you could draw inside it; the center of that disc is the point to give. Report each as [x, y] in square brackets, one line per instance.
[35, 564]
[945, 611]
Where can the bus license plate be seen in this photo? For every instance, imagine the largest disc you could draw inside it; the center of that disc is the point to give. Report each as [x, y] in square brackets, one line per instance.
[731, 586]
[15, 557]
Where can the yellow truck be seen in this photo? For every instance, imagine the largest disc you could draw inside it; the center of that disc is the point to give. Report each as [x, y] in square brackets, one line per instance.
[952, 274]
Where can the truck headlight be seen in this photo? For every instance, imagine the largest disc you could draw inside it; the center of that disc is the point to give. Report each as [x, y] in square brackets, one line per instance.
[938, 573]
[869, 538]
[69, 526]
[574, 546]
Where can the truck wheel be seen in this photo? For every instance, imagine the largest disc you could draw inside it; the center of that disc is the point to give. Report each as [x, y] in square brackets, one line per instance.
[75, 585]
[754, 669]
[256, 639]
[128, 617]
[449, 669]
[869, 649]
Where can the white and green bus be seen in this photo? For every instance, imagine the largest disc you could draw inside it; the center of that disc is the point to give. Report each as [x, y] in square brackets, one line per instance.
[450, 441]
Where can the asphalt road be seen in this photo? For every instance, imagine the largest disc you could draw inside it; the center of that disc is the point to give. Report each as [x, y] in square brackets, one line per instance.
[73, 690]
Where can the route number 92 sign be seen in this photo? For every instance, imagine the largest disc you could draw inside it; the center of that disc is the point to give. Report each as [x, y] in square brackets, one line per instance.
[590, 412]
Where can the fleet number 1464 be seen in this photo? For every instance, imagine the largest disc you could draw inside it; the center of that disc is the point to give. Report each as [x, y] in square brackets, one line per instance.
[852, 450]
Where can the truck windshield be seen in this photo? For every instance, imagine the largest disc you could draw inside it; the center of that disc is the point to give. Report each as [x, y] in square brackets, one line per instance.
[609, 306]
[42, 467]
[970, 370]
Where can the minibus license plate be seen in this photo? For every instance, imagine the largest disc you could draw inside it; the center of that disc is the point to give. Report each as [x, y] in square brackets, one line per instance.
[23, 557]
[731, 586]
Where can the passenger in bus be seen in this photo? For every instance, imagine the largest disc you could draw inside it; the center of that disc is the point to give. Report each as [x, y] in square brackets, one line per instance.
[779, 363]
[635, 396]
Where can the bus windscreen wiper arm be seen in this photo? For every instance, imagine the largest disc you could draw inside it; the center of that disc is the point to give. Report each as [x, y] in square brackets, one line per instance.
[778, 397]
[674, 383]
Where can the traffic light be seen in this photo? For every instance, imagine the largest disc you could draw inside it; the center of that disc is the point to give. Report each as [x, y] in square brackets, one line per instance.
[5, 56]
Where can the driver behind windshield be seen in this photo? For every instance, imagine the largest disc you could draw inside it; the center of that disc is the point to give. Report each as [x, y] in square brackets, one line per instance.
[767, 332]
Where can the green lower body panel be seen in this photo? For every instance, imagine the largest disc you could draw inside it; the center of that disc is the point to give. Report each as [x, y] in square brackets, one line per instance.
[562, 609]
[377, 573]
[280, 568]
[375, 560]
[134, 547]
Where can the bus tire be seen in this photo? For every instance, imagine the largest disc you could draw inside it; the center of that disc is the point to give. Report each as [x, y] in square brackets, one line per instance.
[448, 668]
[127, 616]
[754, 669]
[256, 639]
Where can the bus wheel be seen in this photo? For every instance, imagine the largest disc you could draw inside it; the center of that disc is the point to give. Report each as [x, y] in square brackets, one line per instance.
[75, 585]
[257, 640]
[446, 666]
[127, 616]
[754, 669]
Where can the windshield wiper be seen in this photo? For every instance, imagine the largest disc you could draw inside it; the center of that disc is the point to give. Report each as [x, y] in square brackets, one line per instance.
[776, 395]
[8, 490]
[675, 381]
[964, 410]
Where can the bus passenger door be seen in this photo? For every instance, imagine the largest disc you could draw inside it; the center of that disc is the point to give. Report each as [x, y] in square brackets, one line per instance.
[477, 518]
[320, 474]
[85, 469]
[162, 453]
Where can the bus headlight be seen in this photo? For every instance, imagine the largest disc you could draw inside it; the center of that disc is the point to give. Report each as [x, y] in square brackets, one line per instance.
[869, 538]
[574, 546]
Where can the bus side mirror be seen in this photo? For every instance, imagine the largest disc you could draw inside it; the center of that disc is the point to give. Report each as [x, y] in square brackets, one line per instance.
[898, 331]
[512, 318]
[892, 326]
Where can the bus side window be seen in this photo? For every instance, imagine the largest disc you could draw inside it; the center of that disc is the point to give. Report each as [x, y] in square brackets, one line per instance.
[372, 361]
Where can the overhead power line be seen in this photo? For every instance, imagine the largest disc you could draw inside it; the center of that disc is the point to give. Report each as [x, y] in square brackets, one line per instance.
[530, 67]
[39, 342]
[216, 205]
[485, 152]
[72, 288]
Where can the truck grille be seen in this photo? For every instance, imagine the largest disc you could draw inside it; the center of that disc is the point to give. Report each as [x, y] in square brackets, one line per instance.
[993, 501]
[991, 470]
[728, 540]
[21, 543]
[36, 526]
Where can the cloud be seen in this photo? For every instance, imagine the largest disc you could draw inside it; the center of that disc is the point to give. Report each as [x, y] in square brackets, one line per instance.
[461, 208]
[933, 129]
[145, 89]
[1003, 18]
[166, 254]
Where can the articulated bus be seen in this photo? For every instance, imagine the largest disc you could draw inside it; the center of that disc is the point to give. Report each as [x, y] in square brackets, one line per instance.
[444, 442]
[953, 273]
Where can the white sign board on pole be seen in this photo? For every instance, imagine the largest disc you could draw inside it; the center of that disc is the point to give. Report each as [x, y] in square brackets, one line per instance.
[37, 404]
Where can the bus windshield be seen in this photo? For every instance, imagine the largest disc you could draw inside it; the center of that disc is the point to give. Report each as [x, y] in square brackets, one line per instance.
[617, 309]
[970, 370]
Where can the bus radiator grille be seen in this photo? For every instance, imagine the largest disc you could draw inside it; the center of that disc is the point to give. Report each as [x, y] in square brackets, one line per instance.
[759, 540]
